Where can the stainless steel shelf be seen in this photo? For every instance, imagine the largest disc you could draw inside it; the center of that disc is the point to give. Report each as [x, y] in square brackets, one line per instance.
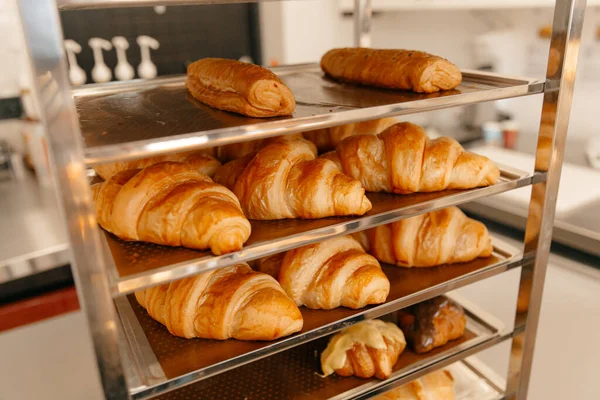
[163, 362]
[136, 265]
[143, 118]
[293, 374]
[91, 4]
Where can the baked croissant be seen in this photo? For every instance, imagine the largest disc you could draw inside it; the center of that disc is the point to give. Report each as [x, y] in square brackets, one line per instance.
[369, 348]
[326, 139]
[284, 180]
[439, 237]
[432, 323]
[200, 160]
[394, 69]
[239, 87]
[233, 302]
[402, 159]
[234, 151]
[172, 204]
[438, 385]
[336, 272]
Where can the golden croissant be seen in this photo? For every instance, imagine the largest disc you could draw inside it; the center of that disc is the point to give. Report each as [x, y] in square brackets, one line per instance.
[394, 69]
[336, 272]
[239, 87]
[326, 139]
[402, 159]
[285, 180]
[234, 151]
[438, 385]
[369, 348]
[439, 237]
[172, 204]
[201, 160]
[233, 302]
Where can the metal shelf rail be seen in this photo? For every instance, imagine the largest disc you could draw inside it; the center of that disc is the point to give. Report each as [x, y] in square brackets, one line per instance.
[74, 144]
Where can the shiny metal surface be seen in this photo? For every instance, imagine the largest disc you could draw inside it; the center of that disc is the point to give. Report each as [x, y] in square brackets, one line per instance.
[562, 66]
[363, 17]
[138, 265]
[90, 4]
[144, 118]
[52, 99]
[178, 356]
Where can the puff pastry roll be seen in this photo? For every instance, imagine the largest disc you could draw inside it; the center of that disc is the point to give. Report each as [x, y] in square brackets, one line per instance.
[285, 180]
[394, 69]
[172, 204]
[233, 302]
[403, 160]
[243, 88]
[432, 323]
[369, 348]
[439, 237]
[438, 385]
[336, 272]
[201, 160]
[326, 139]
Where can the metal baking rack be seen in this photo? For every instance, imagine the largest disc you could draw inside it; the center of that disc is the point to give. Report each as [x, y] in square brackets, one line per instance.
[115, 122]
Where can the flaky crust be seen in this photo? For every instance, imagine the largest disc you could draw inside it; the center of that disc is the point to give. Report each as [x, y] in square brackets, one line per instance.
[336, 272]
[432, 323]
[172, 204]
[438, 385]
[234, 151]
[239, 87]
[326, 139]
[439, 237]
[284, 180]
[232, 302]
[201, 160]
[403, 160]
[394, 69]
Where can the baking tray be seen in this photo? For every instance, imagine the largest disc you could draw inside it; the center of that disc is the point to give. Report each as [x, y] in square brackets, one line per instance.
[162, 361]
[134, 265]
[148, 117]
[293, 374]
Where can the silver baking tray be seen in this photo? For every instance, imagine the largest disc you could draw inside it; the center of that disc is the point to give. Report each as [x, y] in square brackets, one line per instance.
[135, 265]
[159, 362]
[148, 117]
[167, 363]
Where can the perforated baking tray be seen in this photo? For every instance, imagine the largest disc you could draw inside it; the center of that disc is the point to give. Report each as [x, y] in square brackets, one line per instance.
[136, 265]
[143, 118]
[161, 361]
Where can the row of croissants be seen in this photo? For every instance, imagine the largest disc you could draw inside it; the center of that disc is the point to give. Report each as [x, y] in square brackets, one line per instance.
[192, 200]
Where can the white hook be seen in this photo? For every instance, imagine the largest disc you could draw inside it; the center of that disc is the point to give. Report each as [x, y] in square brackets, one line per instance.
[124, 71]
[100, 72]
[147, 69]
[76, 73]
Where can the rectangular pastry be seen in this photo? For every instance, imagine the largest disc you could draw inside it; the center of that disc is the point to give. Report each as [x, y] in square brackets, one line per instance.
[239, 87]
[394, 69]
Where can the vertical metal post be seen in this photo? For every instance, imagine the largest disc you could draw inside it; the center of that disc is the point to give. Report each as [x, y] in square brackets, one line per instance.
[52, 96]
[560, 81]
[363, 15]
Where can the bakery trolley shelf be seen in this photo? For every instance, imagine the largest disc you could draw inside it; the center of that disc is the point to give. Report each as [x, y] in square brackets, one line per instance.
[159, 361]
[136, 265]
[256, 370]
[143, 118]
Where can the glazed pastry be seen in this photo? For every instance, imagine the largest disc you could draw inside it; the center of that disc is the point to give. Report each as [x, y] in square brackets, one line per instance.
[403, 160]
[439, 237]
[333, 273]
[432, 323]
[285, 180]
[233, 302]
[243, 88]
[393, 69]
[172, 204]
[438, 385]
[369, 348]
[201, 160]
[326, 139]
[234, 151]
